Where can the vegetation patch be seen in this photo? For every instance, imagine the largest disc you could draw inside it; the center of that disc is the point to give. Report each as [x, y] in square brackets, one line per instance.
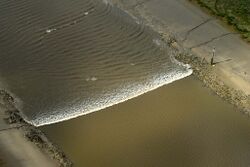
[234, 12]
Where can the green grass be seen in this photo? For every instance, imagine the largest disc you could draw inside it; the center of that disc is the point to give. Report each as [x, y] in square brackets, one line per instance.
[234, 12]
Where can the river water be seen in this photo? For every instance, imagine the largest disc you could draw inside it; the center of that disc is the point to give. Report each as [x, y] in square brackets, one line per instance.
[64, 58]
[181, 124]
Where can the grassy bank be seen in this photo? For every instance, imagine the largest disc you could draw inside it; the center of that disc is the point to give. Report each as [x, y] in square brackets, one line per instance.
[234, 12]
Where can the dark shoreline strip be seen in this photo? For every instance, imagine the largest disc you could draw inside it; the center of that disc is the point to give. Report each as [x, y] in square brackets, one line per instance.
[14, 127]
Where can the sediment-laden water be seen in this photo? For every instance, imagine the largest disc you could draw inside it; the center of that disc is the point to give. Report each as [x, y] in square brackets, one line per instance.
[64, 58]
[178, 125]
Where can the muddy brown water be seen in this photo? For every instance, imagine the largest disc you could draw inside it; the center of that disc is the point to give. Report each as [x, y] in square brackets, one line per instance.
[180, 124]
[64, 58]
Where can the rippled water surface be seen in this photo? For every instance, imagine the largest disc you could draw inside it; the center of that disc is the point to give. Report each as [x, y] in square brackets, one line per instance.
[65, 58]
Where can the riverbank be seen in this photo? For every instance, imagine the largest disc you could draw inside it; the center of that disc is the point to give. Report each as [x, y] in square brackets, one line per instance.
[234, 13]
[229, 79]
[193, 34]
[207, 74]
[22, 144]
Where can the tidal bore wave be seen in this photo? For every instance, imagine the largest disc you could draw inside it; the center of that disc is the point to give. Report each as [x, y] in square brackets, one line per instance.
[64, 58]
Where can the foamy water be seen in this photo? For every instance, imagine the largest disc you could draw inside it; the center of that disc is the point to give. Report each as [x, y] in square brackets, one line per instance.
[107, 100]
[64, 59]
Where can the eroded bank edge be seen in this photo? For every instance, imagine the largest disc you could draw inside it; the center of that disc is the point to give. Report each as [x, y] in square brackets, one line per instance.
[202, 69]
[13, 118]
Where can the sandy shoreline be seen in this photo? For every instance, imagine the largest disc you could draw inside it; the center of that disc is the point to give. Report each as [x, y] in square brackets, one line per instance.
[22, 144]
[230, 79]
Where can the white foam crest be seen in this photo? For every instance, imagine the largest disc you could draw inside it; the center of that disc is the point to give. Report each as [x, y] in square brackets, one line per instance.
[174, 60]
[158, 42]
[50, 30]
[91, 79]
[109, 99]
[107, 2]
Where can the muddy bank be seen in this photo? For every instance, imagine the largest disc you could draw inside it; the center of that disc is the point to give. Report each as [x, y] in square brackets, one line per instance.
[202, 68]
[207, 74]
[14, 121]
